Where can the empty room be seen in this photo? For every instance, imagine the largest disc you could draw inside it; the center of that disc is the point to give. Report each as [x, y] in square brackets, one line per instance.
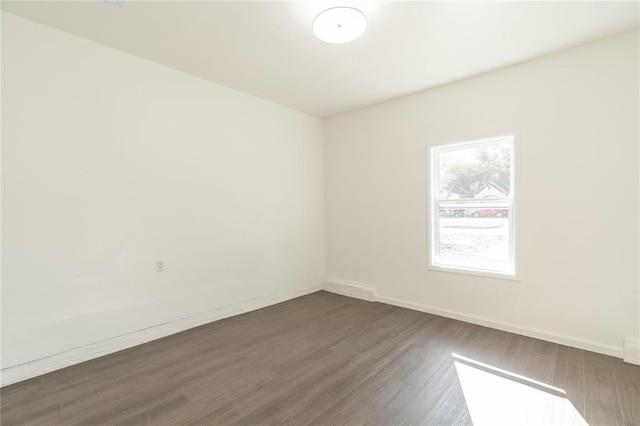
[320, 212]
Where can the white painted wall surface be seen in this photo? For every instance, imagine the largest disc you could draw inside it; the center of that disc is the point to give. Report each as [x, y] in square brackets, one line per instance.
[576, 118]
[111, 162]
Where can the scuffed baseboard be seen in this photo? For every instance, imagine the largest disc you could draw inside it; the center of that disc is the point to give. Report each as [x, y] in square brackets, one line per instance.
[349, 288]
[77, 355]
[631, 352]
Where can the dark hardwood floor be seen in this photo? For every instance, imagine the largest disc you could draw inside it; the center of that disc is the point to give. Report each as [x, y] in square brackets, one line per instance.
[325, 359]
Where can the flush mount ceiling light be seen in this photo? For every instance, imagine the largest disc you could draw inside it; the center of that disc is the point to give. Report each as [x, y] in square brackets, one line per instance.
[339, 25]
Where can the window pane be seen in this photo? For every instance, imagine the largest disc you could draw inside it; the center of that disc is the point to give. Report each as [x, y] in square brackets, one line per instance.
[476, 172]
[473, 206]
[474, 238]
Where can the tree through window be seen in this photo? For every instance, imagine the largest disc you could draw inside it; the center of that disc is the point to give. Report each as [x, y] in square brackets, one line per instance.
[472, 206]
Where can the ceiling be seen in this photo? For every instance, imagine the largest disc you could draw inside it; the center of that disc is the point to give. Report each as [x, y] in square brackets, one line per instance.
[267, 48]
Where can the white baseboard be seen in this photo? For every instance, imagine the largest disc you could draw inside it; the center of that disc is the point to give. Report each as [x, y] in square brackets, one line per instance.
[548, 336]
[349, 288]
[632, 351]
[77, 355]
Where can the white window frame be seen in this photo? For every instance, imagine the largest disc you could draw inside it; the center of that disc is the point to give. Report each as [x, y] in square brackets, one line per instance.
[435, 202]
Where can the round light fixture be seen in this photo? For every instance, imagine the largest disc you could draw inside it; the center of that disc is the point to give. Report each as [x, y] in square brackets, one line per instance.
[339, 25]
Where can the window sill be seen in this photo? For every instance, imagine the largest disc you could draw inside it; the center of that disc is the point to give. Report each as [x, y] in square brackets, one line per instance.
[473, 272]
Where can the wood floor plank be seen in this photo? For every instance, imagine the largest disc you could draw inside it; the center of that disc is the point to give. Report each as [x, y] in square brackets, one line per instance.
[325, 359]
[602, 404]
[628, 391]
[569, 375]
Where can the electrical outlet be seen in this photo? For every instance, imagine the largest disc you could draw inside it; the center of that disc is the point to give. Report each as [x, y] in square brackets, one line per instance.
[160, 266]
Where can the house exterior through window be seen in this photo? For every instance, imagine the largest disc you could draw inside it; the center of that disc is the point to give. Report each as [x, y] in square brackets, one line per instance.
[472, 207]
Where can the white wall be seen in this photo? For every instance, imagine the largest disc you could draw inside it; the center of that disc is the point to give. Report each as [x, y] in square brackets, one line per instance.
[111, 162]
[576, 118]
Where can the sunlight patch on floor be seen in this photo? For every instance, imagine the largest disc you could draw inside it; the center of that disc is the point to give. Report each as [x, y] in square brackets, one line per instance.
[497, 397]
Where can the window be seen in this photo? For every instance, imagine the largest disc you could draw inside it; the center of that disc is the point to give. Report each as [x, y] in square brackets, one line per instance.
[472, 208]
